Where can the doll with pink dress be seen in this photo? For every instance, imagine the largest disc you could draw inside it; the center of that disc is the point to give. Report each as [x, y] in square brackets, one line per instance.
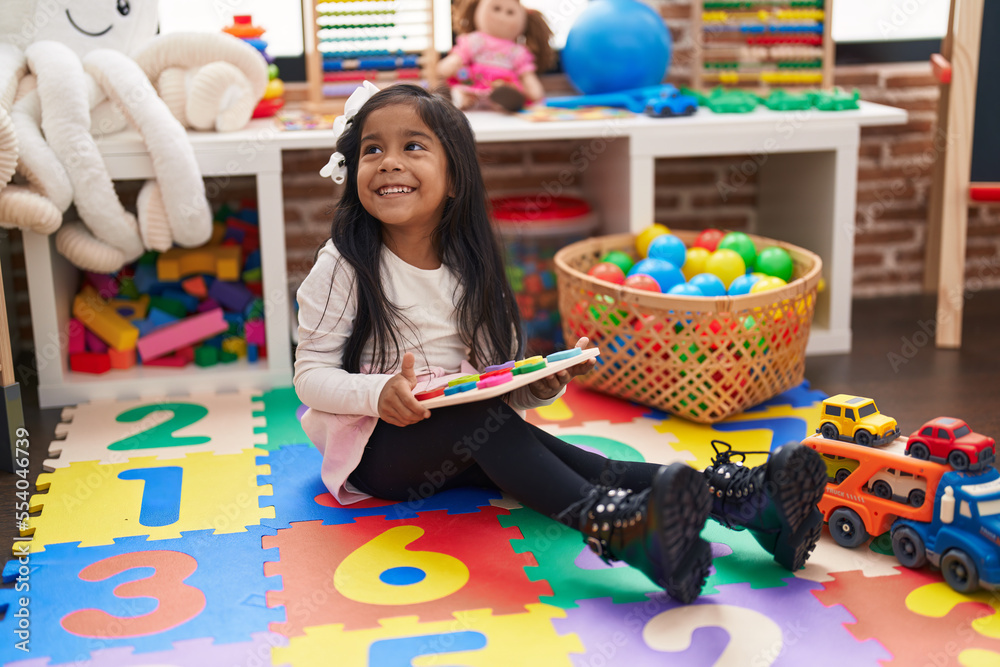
[499, 49]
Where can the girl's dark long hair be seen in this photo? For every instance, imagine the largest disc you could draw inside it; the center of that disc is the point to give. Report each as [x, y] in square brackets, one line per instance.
[488, 317]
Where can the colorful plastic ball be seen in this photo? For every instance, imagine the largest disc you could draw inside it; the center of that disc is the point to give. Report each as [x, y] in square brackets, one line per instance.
[620, 258]
[663, 272]
[767, 283]
[742, 244]
[685, 289]
[607, 272]
[643, 282]
[709, 239]
[775, 261]
[643, 238]
[694, 262]
[708, 284]
[727, 265]
[668, 247]
[742, 284]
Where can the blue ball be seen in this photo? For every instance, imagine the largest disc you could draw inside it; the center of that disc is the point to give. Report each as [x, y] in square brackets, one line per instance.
[686, 289]
[668, 247]
[663, 272]
[616, 45]
[742, 284]
[709, 284]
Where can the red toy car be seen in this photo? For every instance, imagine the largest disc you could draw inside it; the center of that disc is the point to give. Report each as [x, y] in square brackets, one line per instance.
[946, 439]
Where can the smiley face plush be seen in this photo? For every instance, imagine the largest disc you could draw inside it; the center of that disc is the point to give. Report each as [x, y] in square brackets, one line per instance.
[95, 67]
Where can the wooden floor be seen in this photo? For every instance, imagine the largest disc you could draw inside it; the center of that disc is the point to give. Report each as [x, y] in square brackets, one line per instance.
[893, 361]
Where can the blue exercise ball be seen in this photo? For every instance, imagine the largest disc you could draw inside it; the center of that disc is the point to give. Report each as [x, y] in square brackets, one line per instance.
[616, 45]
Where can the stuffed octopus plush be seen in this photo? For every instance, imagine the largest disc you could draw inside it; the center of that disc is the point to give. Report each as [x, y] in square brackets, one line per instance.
[73, 70]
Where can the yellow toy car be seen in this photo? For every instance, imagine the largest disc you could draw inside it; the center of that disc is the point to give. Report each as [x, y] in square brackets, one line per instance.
[856, 419]
[839, 467]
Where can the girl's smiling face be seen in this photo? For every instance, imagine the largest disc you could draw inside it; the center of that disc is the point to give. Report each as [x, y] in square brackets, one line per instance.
[403, 176]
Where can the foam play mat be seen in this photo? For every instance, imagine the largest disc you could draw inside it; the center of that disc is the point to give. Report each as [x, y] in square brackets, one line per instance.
[197, 531]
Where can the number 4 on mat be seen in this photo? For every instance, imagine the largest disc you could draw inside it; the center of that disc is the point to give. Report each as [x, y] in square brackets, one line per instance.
[162, 435]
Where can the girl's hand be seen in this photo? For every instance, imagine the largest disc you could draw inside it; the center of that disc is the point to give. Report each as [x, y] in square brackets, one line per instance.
[551, 385]
[396, 403]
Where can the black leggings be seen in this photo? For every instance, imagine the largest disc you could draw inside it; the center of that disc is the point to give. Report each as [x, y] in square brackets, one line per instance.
[487, 444]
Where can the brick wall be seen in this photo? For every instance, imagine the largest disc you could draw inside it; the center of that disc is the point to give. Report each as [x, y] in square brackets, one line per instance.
[894, 180]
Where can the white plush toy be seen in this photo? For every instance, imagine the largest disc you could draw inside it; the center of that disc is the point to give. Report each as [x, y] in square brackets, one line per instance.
[91, 68]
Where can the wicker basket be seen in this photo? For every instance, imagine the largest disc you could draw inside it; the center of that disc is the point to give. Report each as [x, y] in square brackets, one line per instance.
[701, 358]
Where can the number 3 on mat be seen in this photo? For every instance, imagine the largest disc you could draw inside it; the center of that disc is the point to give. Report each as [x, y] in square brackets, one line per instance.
[177, 602]
[162, 435]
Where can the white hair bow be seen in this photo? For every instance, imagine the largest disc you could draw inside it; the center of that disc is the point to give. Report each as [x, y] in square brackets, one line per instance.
[336, 168]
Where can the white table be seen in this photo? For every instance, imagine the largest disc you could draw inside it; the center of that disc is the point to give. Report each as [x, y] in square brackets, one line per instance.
[807, 182]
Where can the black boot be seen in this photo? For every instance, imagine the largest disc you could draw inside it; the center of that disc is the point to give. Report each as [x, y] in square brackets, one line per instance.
[775, 501]
[656, 530]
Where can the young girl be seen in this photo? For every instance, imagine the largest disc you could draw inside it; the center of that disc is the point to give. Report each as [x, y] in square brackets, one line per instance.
[411, 287]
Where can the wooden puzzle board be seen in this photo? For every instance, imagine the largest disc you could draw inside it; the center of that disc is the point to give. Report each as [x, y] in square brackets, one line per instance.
[477, 394]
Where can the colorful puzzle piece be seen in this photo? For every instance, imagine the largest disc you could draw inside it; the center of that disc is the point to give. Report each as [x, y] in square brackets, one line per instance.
[374, 569]
[740, 625]
[939, 599]
[584, 405]
[913, 638]
[279, 408]
[167, 428]
[92, 503]
[300, 495]
[474, 638]
[189, 653]
[144, 594]
[747, 561]
[641, 433]
[830, 557]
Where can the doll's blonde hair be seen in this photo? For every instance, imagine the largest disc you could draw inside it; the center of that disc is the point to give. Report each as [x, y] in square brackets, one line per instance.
[536, 31]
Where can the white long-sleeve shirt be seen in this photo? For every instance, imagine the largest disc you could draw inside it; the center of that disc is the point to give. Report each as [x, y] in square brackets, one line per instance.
[327, 308]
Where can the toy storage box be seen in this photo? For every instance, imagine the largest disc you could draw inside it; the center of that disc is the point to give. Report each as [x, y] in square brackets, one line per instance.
[533, 227]
[52, 281]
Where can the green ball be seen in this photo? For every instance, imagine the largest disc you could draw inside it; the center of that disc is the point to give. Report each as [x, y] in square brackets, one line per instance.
[620, 259]
[744, 247]
[272, 72]
[775, 261]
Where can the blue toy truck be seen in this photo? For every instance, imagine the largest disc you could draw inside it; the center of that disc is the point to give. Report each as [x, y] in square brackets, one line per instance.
[657, 101]
[963, 536]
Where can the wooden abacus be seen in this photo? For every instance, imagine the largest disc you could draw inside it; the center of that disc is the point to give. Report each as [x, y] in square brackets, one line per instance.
[760, 45]
[348, 41]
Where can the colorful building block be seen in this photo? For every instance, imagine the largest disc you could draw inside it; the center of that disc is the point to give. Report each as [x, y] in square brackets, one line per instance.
[106, 285]
[98, 316]
[89, 362]
[180, 334]
[206, 356]
[236, 346]
[122, 359]
[208, 304]
[131, 309]
[255, 332]
[220, 261]
[76, 336]
[190, 302]
[252, 353]
[175, 360]
[232, 296]
[94, 344]
[166, 304]
[195, 287]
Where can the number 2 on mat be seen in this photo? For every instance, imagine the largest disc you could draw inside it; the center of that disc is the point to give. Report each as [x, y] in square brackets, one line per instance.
[162, 435]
